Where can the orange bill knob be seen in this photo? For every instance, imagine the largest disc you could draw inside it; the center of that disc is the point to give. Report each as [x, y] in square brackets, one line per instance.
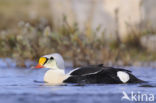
[41, 62]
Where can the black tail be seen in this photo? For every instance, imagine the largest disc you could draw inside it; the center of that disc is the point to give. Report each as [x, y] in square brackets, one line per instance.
[134, 79]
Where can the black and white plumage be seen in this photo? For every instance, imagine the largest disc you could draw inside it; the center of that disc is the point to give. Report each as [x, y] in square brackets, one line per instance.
[96, 74]
[91, 74]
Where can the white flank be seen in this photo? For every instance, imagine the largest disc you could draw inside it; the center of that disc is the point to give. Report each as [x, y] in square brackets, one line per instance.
[123, 76]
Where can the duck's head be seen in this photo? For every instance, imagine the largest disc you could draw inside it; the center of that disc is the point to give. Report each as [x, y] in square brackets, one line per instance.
[51, 61]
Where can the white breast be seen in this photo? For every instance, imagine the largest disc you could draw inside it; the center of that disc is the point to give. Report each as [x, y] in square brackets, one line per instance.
[55, 76]
[123, 76]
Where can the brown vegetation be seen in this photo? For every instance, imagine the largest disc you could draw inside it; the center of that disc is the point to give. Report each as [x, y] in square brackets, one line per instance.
[23, 37]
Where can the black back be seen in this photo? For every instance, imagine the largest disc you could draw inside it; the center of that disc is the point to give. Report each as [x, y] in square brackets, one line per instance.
[87, 69]
[99, 74]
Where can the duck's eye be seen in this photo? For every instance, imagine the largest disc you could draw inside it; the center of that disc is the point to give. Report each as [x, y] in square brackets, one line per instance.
[51, 58]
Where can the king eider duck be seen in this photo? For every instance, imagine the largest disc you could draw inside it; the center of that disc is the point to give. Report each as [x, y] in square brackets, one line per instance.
[91, 74]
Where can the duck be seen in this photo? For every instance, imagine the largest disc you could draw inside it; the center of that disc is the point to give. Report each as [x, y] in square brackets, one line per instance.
[90, 74]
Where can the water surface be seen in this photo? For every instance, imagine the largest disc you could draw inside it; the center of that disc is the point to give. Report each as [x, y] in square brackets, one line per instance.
[17, 86]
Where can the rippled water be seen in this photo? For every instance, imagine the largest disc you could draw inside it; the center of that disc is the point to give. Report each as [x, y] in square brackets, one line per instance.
[17, 86]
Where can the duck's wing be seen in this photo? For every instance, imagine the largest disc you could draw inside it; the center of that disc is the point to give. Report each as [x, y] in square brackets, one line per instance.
[117, 69]
[101, 76]
[117, 75]
[93, 69]
[105, 76]
[86, 70]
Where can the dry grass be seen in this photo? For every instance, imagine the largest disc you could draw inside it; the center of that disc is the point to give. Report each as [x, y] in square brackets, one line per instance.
[27, 36]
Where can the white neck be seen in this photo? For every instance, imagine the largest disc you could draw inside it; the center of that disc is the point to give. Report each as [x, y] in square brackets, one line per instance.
[55, 76]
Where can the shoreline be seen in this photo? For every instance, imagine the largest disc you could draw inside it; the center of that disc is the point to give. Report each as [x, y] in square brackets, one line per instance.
[8, 62]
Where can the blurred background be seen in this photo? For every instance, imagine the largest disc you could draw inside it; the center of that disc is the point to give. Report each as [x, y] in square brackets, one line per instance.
[113, 32]
[118, 33]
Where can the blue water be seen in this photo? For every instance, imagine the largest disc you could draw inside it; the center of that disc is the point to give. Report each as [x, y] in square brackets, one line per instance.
[17, 85]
